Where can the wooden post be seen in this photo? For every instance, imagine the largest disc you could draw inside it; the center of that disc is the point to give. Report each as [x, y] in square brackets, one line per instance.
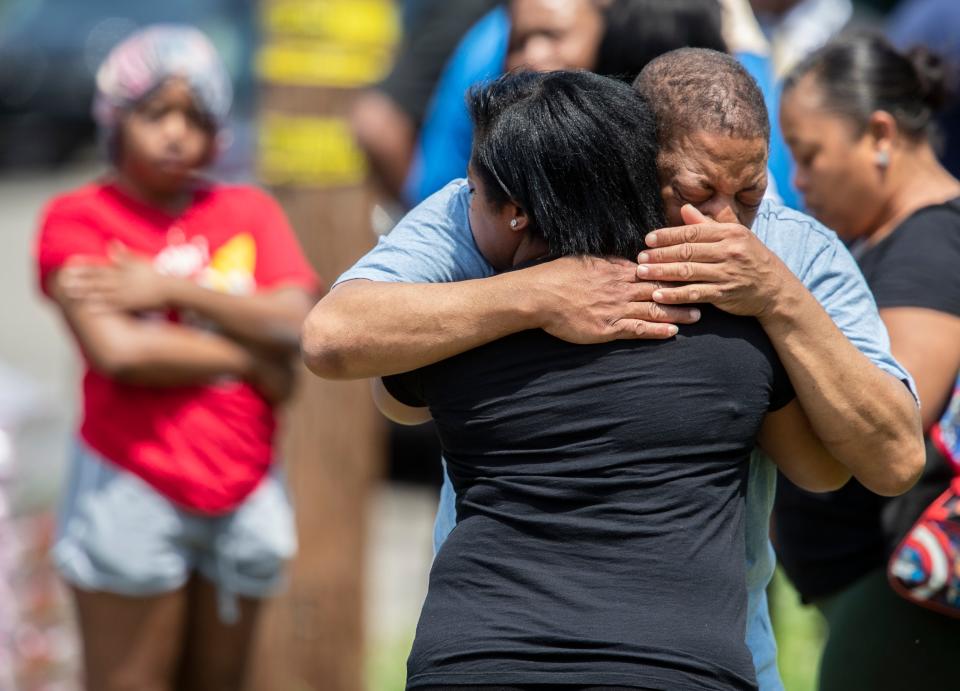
[314, 56]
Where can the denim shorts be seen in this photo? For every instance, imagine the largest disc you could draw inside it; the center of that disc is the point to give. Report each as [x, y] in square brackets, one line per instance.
[117, 534]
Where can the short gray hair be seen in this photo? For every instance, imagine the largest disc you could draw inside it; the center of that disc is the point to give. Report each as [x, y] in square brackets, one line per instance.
[696, 89]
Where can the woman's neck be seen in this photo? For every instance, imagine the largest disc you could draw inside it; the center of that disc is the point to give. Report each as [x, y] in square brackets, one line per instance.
[529, 249]
[919, 181]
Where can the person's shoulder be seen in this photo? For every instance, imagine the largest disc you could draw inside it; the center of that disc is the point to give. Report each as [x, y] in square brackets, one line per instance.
[929, 234]
[455, 193]
[443, 217]
[243, 204]
[433, 243]
[455, 188]
[795, 237]
[773, 211]
[231, 193]
[774, 217]
[918, 264]
[447, 207]
[76, 201]
[942, 219]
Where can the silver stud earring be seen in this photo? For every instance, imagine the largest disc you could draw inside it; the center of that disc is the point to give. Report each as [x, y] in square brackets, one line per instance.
[883, 159]
[513, 223]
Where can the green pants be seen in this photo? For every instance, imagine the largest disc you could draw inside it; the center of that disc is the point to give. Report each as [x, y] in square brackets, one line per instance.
[880, 642]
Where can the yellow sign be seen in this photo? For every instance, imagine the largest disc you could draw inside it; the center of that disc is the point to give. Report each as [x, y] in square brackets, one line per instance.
[308, 151]
[334, 43]
[369, 22]
[305, 63]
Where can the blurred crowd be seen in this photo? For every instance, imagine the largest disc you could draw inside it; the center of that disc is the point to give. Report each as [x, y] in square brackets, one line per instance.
[186, 297]
[414, 125]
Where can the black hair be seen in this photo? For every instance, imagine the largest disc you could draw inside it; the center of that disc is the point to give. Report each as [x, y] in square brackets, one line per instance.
[637, 31]
[576, 151]
[861, 73]
[696, 89]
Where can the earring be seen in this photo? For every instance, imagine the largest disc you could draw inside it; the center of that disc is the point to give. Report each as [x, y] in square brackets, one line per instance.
[513, 223]
[883, 159]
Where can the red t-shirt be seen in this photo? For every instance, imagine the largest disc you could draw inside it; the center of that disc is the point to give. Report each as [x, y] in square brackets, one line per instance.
[204, 447]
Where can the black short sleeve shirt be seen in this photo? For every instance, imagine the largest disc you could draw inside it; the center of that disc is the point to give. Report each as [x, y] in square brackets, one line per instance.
[827, 541]
[600, 491]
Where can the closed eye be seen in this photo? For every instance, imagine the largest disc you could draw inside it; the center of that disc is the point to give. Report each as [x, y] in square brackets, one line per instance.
[694, 198]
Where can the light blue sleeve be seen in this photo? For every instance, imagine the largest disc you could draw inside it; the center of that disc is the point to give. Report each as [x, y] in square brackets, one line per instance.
[431, 244]
[825, 266]
[446, 512]
[762, 643]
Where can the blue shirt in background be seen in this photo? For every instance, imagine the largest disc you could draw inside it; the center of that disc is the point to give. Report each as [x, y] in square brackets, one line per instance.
[443, 148]
[434, 244]
[780, 161]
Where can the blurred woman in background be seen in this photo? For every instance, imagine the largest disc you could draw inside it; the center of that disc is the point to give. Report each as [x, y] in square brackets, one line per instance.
[615, 38]
[857, 115]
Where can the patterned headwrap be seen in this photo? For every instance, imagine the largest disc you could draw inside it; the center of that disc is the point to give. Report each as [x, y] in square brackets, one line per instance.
[149, 57]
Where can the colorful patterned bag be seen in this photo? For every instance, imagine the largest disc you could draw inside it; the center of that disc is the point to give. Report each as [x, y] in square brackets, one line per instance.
[946, 433]
[925, 566]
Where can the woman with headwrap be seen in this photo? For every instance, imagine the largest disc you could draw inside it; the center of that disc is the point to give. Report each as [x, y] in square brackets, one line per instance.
[185, 298]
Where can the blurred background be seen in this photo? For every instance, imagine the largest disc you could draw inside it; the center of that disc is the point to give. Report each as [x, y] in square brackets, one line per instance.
[332, 100]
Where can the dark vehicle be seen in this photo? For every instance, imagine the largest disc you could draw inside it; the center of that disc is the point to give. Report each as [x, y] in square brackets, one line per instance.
[50, 50]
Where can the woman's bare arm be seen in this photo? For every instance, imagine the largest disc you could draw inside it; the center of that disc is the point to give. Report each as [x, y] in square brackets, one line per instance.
[788, 438]
[927, 343]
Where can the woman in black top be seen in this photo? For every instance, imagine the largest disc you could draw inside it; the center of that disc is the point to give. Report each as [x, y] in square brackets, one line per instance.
[856, 115]
[599, 488]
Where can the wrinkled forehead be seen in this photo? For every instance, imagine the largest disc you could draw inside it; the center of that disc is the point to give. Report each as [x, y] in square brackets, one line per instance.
[720, 161]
